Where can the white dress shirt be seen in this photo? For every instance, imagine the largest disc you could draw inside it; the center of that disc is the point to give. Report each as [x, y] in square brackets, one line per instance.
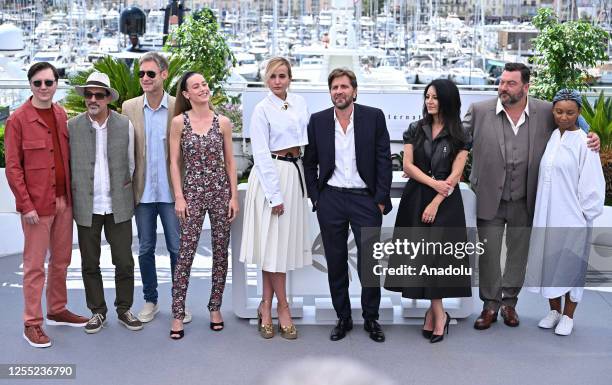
[521, 121]
[345, 171]
[102, 202]
[276, 124]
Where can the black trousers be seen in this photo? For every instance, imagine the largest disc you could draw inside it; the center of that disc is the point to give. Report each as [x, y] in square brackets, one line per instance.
[336, 211]
[119, 236]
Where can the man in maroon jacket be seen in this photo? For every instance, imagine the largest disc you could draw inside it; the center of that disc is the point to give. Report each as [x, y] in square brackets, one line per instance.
[37, 170]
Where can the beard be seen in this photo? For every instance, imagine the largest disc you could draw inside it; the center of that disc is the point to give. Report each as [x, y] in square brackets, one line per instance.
[93, 110]
[511, 98]
[341, 105]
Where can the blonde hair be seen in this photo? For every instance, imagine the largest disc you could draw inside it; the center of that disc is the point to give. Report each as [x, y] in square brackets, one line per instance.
[273, 65]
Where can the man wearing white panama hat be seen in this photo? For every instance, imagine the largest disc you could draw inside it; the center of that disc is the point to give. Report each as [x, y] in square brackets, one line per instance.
[102, 164]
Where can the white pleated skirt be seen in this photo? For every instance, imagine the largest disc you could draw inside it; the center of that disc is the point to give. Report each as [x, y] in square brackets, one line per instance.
[277, 243]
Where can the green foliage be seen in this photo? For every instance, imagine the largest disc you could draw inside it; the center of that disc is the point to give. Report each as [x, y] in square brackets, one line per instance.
[201, 46]
[233, 112]
[244, 177]
[2, 160]
[397, 161]
[563, 53]
[599, 117]
[124, 80]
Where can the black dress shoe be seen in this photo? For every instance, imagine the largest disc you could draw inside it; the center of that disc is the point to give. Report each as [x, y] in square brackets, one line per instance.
[437, 338]
[342, 326]
[373, 327]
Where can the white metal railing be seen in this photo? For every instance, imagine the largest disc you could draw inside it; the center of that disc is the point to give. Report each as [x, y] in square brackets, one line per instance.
[14, 92]
[304, 86]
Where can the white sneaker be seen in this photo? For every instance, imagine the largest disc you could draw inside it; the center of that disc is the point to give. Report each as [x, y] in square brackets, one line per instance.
[565, 326]
[148, 312]
[551, 320]
[187, 318]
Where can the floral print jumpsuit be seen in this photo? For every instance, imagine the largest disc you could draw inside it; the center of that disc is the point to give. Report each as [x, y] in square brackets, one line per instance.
[206, 188]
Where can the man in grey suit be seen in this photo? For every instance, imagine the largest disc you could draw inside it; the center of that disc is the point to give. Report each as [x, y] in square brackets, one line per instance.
[510, 134]
[102, 164]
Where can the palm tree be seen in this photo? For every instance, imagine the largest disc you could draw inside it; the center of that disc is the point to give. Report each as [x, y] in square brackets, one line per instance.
[124, 80]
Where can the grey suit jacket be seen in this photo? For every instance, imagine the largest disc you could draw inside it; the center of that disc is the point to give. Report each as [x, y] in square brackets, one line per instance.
[134, 110]
[488, 152]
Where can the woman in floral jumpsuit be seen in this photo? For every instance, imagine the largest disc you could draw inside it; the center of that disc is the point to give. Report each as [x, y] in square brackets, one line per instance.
[201, 142]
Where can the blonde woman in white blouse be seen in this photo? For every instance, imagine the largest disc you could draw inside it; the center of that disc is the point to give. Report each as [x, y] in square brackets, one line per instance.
[276, 234]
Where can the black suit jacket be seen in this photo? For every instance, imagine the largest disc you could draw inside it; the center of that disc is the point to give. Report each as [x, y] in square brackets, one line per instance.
[372, 151]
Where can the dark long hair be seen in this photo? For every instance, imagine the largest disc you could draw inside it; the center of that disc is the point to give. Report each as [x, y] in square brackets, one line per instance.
[449, 107]
[181, 104]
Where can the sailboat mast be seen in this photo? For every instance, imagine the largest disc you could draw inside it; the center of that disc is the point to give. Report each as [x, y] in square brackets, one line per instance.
[274, 26]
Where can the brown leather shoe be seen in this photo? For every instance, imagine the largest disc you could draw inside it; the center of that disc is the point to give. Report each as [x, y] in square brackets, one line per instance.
[509, 315]
[36, 336]
[487, 317]
[66, 317]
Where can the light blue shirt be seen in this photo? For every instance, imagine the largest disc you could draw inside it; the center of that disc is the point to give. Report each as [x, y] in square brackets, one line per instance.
[156, 186]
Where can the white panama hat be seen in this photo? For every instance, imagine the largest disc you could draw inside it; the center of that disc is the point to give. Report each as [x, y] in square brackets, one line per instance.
[97, 80]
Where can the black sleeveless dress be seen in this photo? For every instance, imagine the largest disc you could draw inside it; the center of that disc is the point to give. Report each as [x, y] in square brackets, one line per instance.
[434, 157]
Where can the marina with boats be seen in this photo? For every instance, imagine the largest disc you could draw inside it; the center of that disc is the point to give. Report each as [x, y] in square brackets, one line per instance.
[400, 46]
[395, 47]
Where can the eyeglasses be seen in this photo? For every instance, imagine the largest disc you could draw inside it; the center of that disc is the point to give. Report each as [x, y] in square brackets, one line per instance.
[97, 95]
[38, 83]
[150, 74]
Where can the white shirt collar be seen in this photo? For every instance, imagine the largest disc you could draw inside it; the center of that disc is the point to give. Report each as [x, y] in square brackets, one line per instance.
[97, 125]
[164, 102]
[350, 119]
[500, 107]
[280, 103]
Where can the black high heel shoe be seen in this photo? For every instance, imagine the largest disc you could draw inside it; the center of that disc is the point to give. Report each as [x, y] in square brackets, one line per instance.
[177, 334]
[437, 338]
[426, 333]
[216, 326]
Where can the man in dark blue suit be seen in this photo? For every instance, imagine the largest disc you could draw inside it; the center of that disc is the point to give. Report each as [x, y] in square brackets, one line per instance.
[348, 172]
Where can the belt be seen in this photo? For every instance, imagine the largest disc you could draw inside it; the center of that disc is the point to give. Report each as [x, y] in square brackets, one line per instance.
[358, 191]
[293, 160]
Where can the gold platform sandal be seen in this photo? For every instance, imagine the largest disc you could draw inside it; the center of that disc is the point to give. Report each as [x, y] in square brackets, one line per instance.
[266, 331]
[287, 332]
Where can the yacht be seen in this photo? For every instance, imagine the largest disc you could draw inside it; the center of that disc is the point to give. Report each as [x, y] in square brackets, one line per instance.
[606, 74]
[428, 71]
[325, 18]
[246, 66]
[341, 49]
[468, 75]
[57, 58]
[11, 39]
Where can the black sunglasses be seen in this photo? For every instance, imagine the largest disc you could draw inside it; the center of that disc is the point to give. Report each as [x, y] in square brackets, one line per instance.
[150, 74]
[38, 83]
[97, 95]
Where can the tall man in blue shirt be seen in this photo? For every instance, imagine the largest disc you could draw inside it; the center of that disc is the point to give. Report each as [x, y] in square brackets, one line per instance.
[151, 114]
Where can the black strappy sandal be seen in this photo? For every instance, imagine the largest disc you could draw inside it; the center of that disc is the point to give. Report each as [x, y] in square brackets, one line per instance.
[177, 334]
[216, 326]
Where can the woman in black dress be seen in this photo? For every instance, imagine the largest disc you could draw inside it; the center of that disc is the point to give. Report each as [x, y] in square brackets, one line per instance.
[431, 208]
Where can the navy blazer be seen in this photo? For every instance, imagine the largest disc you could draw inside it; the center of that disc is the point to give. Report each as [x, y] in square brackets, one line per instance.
[372, 150]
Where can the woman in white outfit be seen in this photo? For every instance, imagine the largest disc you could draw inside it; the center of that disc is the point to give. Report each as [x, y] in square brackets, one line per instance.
[276, 235]
[570, 195]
